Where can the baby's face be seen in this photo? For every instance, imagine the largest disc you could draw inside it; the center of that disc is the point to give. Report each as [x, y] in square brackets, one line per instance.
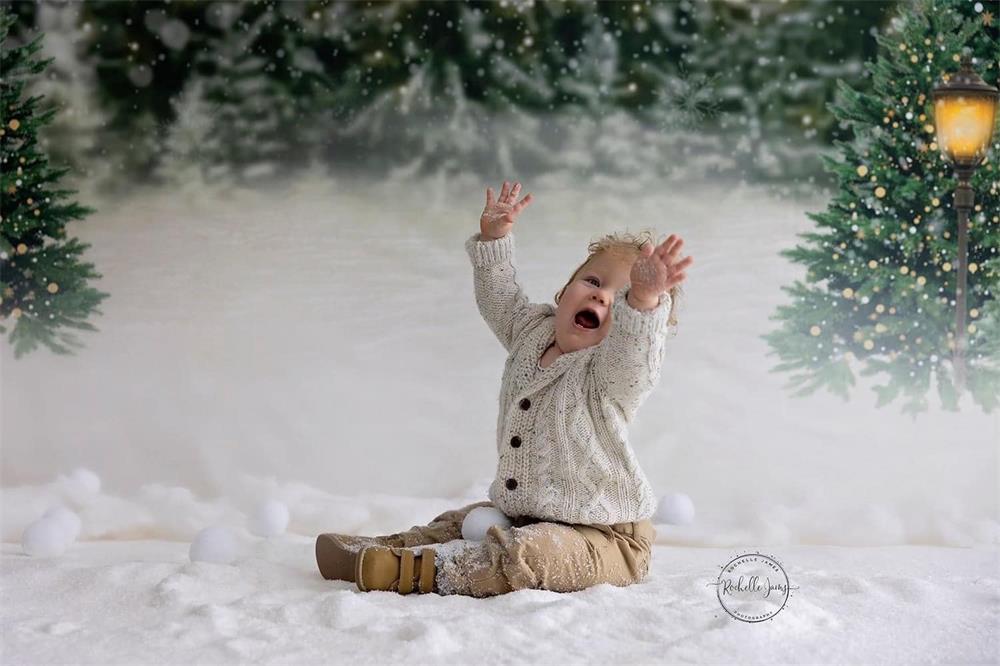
[592, 288]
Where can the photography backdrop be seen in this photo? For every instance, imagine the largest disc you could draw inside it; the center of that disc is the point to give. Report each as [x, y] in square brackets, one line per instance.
[330, 336]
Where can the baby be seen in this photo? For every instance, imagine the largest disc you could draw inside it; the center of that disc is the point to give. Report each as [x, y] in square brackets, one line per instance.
[578, 504]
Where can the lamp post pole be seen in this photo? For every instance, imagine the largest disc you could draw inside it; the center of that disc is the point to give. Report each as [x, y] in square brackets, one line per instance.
[963, 203]
[965, 113]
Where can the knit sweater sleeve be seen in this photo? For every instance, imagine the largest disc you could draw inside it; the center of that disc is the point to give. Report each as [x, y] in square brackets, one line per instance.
[499, 297]
[627, 363]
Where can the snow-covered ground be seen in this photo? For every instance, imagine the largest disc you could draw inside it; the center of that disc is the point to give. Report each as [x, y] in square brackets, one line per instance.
[142, 602]
[133, 597]
[323, 347]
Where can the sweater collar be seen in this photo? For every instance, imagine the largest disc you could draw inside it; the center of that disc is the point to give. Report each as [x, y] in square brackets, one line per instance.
[544, 376]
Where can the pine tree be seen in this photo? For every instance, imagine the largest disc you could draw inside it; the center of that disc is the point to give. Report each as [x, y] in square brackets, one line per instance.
[768, 67]
[192, 145]
[261, 76]
[247, 115]
[257, 87]
[759, 71]
[529, 87]
[880, 283]
[777, 66]
[140, 54]
[71, 139]
[44, 286]
[652, 132]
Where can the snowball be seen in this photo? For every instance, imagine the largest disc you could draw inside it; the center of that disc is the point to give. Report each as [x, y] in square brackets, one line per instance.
[44, 538]
[68, 521]
[269, 519]
[675, 509]
[481, 519]
[214, 544]
[86, 479]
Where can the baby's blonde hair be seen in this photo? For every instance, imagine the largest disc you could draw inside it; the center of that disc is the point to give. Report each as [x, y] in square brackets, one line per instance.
[629, 245]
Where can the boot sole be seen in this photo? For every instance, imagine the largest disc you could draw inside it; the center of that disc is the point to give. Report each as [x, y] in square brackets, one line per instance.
[335, 562]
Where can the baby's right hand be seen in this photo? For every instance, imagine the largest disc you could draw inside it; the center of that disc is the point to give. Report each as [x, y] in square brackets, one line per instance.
[499, 215]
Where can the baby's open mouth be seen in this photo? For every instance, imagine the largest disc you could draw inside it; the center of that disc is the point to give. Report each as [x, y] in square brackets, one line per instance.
[587, 319]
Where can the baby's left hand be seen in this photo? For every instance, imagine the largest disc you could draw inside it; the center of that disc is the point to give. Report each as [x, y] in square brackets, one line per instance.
[658, 270]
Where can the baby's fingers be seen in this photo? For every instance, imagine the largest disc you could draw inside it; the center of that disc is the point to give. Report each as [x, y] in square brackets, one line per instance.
[670, 246]
[489, 196]
[522, 203]
[683, 263]
[675, 279]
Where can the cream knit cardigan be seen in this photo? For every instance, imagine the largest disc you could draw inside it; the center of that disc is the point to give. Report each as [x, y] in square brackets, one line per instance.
[562, 436]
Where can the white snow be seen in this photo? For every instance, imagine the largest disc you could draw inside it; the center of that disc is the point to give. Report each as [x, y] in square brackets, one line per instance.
[322, 348]
[140, 600]
[216, 544]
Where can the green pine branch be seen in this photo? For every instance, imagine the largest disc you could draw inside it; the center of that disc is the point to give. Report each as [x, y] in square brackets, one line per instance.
[45, 290]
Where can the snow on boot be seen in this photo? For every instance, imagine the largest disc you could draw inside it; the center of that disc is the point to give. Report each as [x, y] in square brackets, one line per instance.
[337, 554]
[395, 570]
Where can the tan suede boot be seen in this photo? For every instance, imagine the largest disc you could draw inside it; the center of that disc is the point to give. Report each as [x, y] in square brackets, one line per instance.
[396, 570]
[337, 554]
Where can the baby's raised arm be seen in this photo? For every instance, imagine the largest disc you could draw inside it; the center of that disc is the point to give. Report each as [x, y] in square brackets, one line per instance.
[500, 299]
[627, 366]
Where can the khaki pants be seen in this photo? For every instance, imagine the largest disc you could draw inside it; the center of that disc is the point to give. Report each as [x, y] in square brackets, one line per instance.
[533, 554]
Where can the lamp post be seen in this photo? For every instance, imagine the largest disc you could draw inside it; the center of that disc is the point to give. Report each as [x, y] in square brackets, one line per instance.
[964, 115]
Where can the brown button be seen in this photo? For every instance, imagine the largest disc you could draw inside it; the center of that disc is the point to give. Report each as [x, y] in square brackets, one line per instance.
[511, 484]
[515, 441]
[525, 403]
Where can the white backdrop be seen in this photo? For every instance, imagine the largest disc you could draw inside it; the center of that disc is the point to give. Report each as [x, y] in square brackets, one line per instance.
[330, 337]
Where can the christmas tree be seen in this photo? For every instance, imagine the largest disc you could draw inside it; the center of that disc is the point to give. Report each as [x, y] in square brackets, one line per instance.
[43, 284]
[71, 139]
[880, 289]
